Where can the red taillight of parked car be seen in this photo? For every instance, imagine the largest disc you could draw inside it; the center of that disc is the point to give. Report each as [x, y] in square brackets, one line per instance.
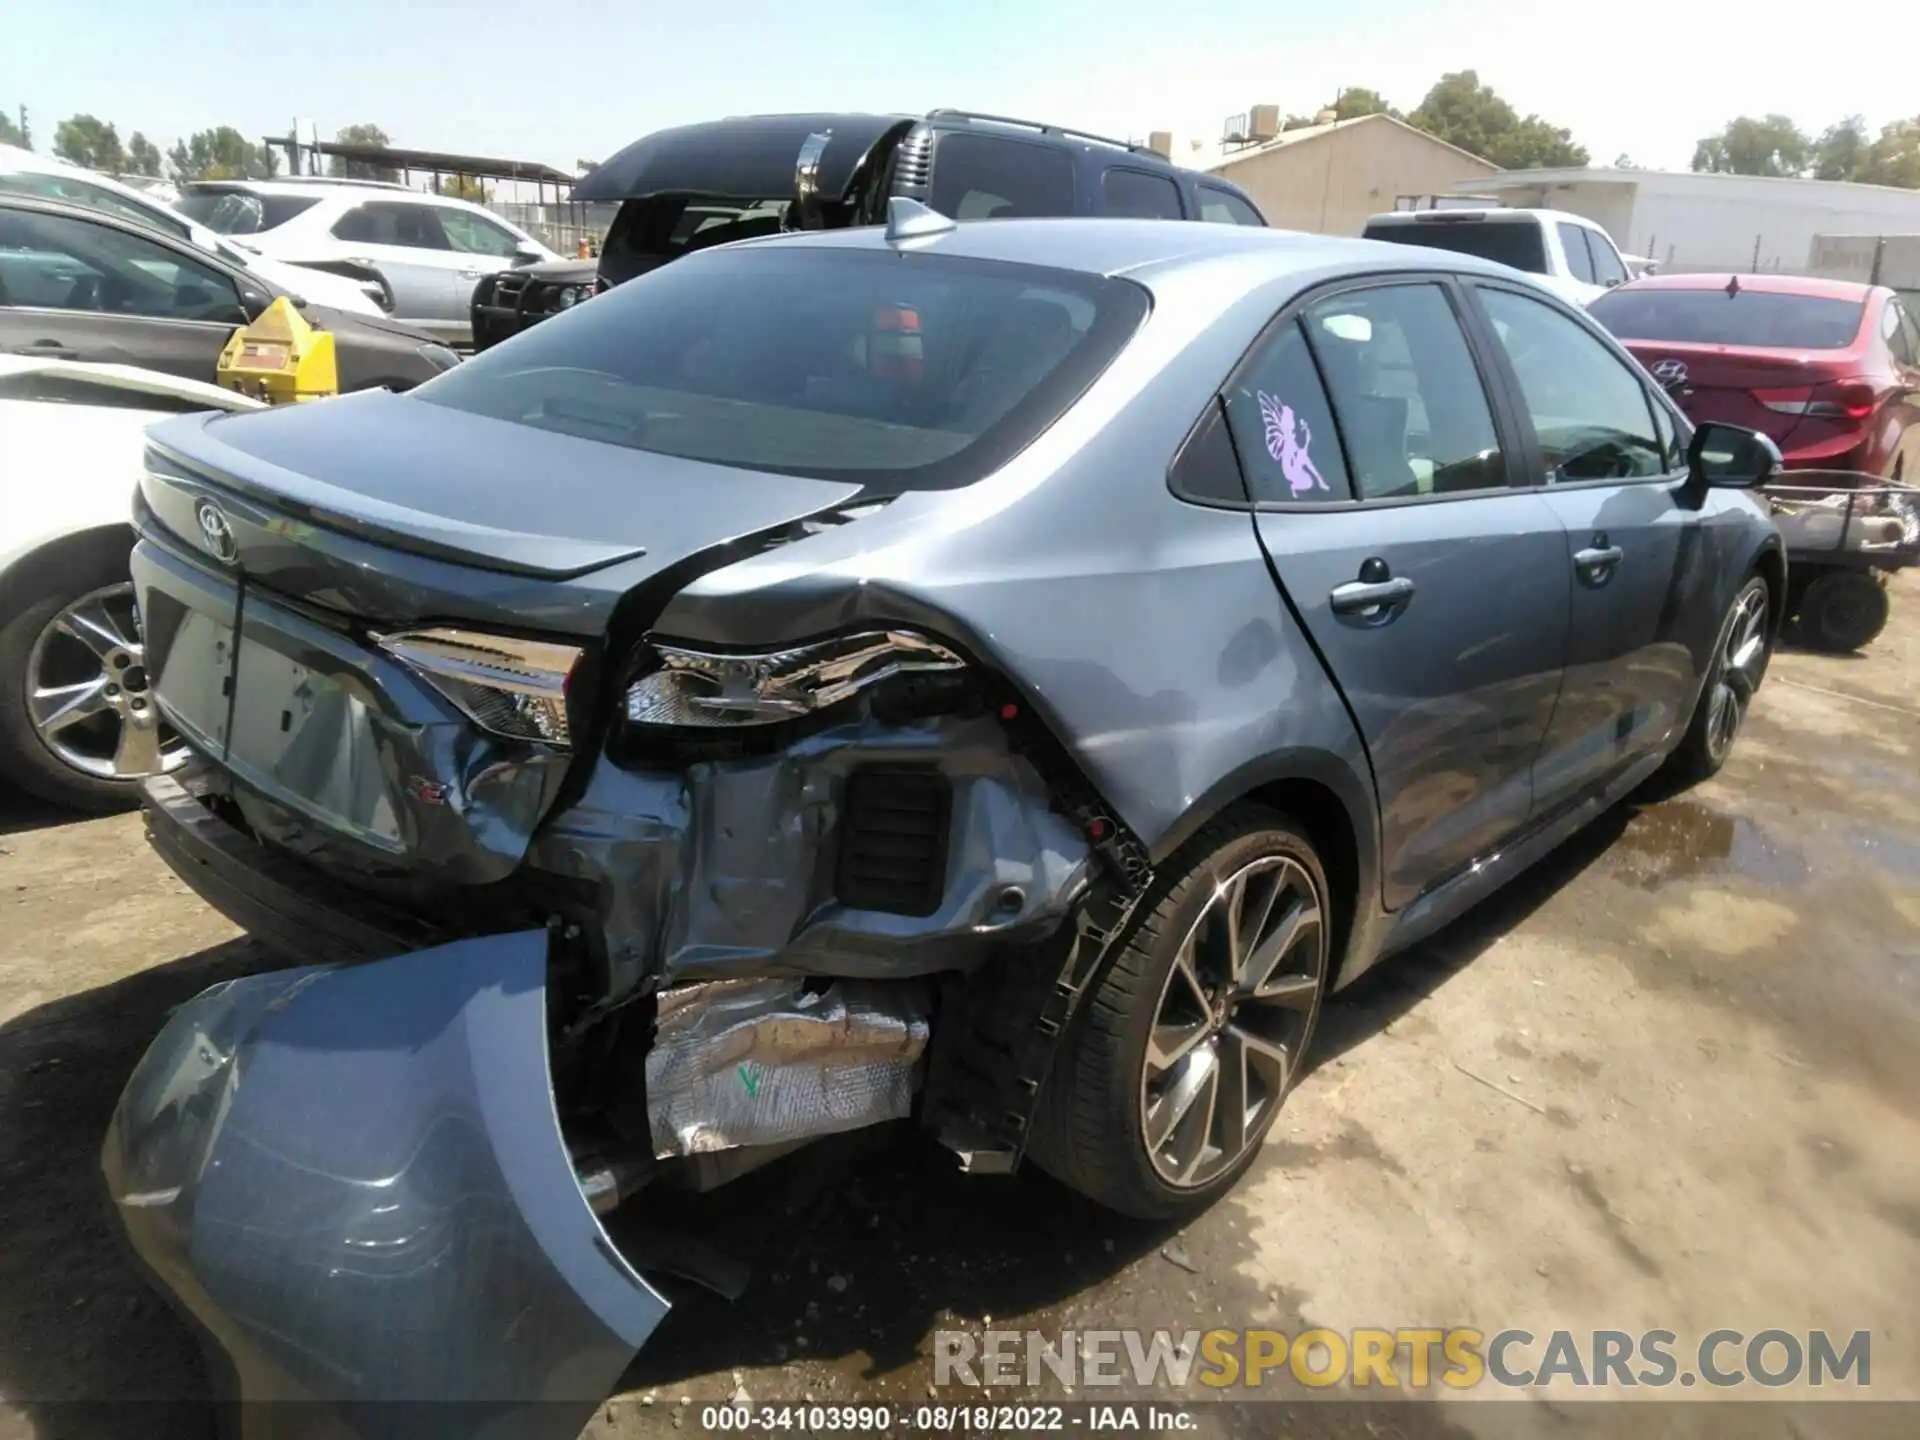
[893, 348]
[1835, 400]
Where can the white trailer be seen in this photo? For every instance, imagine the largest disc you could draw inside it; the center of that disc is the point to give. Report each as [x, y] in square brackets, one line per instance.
[1698, 222]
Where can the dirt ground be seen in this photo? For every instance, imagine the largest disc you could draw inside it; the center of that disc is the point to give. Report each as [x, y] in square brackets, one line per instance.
[1669, 1080]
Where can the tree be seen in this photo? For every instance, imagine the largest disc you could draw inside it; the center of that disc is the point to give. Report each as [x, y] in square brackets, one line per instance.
[1624, 161]
[221, 154]
[1894, 159]
[361, 169]
[1772, 145]
[463, 187]
[89, 143]
[1841, 150]
[1357, 100]
[14, 134]
[1463, 112]
[143, 156]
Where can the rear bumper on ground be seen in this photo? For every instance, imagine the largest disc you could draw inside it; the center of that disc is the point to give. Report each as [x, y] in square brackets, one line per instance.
[354, 1179]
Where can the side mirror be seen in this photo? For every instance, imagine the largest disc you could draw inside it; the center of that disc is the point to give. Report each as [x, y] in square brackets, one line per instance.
[527, 252]
[1730, 457]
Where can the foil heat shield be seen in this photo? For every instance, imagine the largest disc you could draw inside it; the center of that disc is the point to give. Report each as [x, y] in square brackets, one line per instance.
[758, 1062]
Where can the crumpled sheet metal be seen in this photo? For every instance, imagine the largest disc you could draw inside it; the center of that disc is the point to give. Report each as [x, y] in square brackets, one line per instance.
[756, 1062]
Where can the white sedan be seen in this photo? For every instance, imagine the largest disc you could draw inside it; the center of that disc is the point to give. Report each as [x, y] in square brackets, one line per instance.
[77, 722]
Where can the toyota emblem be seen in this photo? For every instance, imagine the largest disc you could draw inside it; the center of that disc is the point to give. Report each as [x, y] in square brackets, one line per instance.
[215, 533]
[1671, 373]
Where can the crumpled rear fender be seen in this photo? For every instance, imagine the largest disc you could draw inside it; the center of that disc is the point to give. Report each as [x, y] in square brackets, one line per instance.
[355, 1181]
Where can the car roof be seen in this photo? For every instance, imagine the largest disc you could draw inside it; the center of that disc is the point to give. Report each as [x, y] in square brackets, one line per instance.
[1098, 246]
[1480, 212]
[1808, 285]
[322, 187]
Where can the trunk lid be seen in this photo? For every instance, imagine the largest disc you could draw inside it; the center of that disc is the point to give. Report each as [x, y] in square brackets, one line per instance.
[1739, 385]
[454, 487]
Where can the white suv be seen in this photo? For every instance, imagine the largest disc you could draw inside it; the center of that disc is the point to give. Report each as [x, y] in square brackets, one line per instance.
[1567, 252]
[430, 249]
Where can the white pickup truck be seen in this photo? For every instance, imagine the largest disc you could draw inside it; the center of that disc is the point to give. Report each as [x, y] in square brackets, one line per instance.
[1568, 252]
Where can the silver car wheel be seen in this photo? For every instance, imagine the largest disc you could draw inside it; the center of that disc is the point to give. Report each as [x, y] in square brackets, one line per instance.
[1232, 1017]
[88, 693]
[1742, 661]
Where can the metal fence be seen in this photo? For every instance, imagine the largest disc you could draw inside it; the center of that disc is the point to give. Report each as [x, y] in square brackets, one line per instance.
[562, 228]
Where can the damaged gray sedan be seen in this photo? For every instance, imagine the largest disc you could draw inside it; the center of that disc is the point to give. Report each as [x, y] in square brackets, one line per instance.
[1005, 675]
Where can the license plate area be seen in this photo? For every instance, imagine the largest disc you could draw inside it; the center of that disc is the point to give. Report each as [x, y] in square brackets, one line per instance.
[188, 620]
[308, 735]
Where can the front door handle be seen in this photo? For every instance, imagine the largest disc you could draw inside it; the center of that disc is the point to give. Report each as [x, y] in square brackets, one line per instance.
[1598, 557]
[1360, 597]
[47, 350]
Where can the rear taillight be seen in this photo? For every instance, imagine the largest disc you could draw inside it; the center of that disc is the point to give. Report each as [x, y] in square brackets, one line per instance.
[1837, 400]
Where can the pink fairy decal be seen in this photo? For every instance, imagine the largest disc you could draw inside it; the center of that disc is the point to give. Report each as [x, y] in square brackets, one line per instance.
[1288, 436]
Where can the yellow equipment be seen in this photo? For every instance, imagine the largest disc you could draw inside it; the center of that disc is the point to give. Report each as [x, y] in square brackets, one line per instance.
[279, 358]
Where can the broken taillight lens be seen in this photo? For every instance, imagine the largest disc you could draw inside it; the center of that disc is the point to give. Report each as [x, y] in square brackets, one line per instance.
[696, 688]
[516, 688]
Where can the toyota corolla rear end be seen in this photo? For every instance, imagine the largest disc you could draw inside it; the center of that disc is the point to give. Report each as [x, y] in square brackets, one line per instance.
[1798, 360]
[581, 910]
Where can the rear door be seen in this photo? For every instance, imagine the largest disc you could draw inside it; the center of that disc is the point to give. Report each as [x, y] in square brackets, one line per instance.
[405, 241]
[1642, 616]
[1435, 592]
[74, 289]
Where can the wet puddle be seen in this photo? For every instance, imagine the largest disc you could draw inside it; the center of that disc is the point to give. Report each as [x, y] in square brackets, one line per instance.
[1895, 854]
[1683, 840]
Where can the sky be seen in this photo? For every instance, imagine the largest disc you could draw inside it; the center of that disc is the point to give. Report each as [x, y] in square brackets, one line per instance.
[564, 80]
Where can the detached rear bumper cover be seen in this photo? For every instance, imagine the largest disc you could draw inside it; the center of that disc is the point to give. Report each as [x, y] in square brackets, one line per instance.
[354, 1179]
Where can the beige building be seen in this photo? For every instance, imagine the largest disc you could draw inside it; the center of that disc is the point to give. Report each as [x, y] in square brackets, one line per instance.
[1329, 178]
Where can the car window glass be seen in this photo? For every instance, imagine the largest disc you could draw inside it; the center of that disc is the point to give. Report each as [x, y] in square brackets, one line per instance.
[1519, 242]
[235, 212]
[1283, 427]
[1717, 315]
[58, 263]
[1608, 267]
[1573, 240]
[476, 235]
[1890, 332]
[897, 370]
[1669, 434]
[1223, 207]
[388, 222]
[1909, 336]
[984, 177]
[1406, 393]
[1591, 413]
[94, 197]
[1137, 195]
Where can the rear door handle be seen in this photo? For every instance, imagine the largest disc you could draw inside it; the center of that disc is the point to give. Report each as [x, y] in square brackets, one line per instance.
[1601, 557]
[1361, 596]
[48, 350]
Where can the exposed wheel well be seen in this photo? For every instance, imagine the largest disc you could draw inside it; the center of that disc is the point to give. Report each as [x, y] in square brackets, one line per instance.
[29, 577]
[1325, 819]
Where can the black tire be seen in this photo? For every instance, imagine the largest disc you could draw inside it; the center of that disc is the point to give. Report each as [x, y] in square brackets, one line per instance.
[1843, 610]
[1092, 1123]
[24, 759]
[1706, 745]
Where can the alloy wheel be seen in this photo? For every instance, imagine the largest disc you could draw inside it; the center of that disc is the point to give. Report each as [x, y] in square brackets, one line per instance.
[89, 696]
[1232, 1020]
[1742, 661]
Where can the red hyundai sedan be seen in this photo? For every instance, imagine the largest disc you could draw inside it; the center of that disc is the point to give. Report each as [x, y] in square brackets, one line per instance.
[1829, 369]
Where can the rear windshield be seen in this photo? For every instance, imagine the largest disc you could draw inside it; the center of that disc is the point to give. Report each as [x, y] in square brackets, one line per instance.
[901, 371]
[1510, 242]
[1747, 317]
[234, 212]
